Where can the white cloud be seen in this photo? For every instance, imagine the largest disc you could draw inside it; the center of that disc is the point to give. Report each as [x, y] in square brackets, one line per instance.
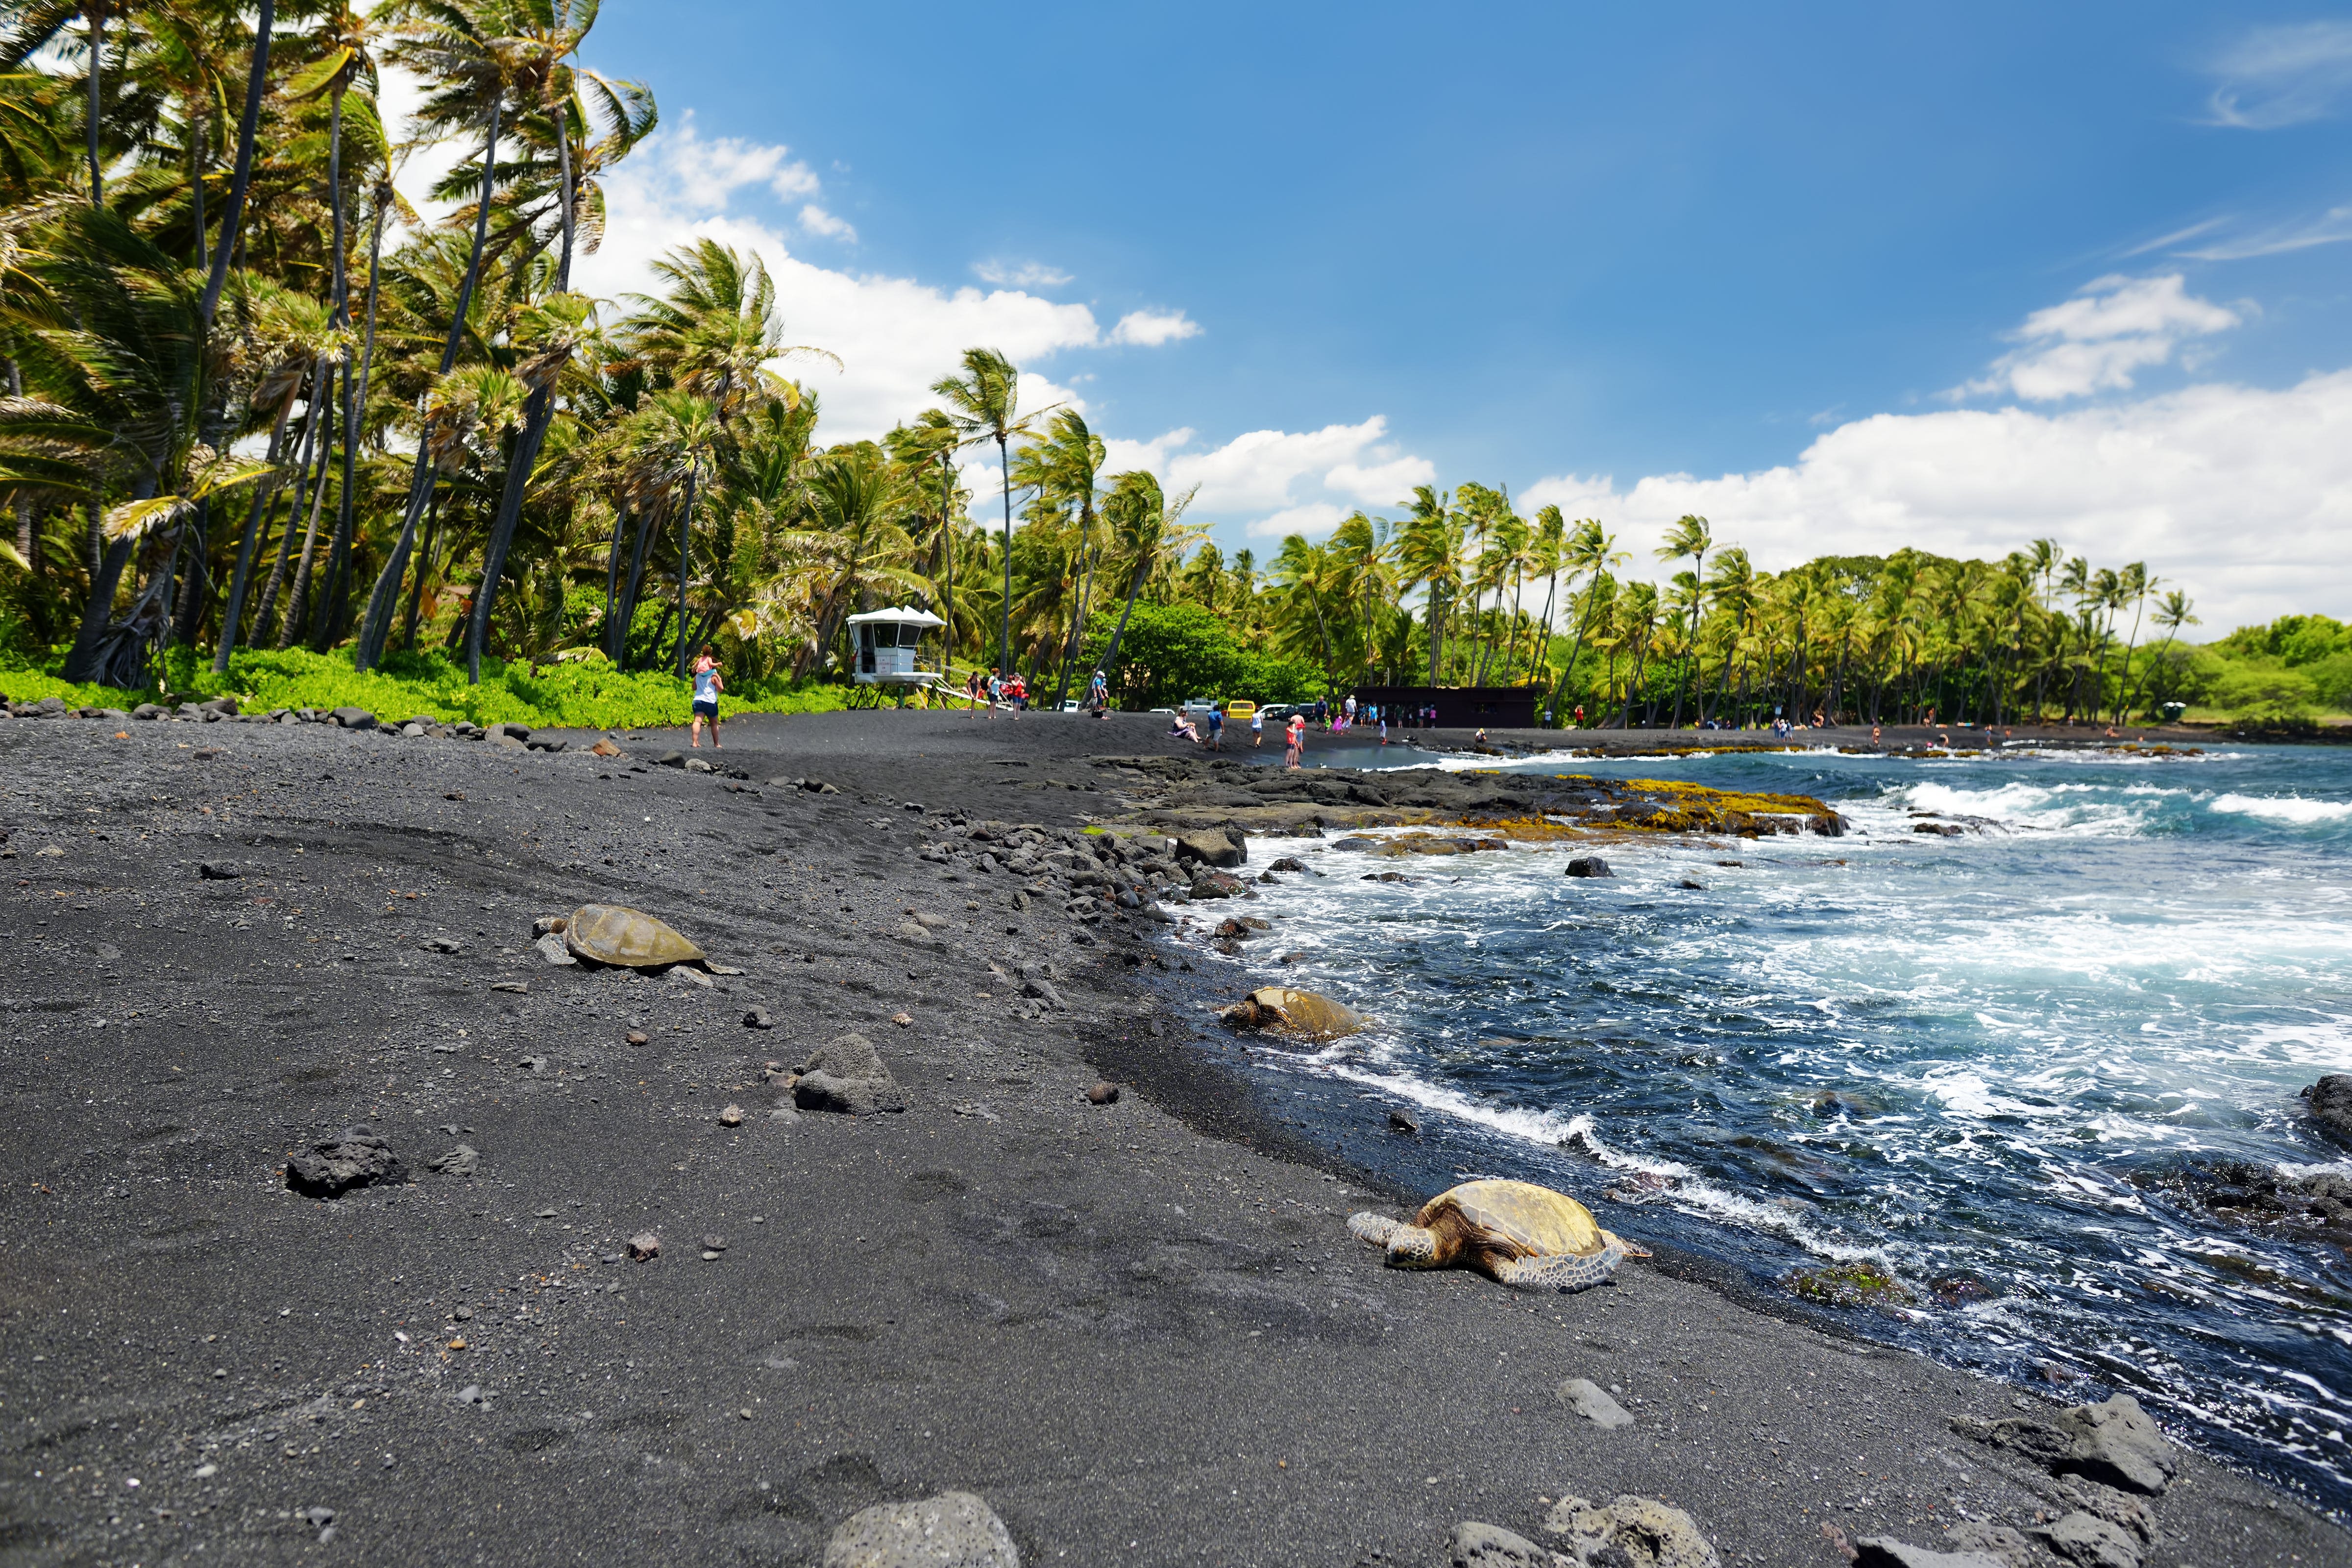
[1314, 519]
[1256, 471]
[2283, 75]
[816, 220]
[2333, 227]
[2242, 496]
[1022, 275]
[2097, 340]
[1382, 484]
[1122, 456]
[895, 336]
[1152, 328]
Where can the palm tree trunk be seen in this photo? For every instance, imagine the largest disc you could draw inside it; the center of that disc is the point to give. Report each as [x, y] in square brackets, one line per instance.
[378, 619]
[298, 598]
[257, 83]
[83, 663]
[685, 537]
[332, 610]
[23, 503]
[262, 620]
[1134, 588]
[633, 590]
[537, 414]
[1005, 635]
[423, 568]
[613, 578]
[96, 12]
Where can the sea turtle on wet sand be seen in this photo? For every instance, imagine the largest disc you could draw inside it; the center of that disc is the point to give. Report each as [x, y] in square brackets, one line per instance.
[1309, 1014]
[626, 938]
[1516, 1233]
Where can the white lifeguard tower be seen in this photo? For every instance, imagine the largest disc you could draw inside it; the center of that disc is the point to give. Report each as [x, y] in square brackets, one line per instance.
[886, 644]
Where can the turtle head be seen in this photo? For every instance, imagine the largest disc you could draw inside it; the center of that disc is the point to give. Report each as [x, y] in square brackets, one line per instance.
[1631, 1248]
[1413, 1246]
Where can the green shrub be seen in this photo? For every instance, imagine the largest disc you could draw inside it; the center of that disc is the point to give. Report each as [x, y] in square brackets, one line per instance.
[583, 692]
[1173, 652]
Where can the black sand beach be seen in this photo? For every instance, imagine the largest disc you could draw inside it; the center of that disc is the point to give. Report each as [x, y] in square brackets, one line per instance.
[1139, 1330]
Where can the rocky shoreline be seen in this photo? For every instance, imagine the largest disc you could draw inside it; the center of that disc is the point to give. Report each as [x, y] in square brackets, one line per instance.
[927, 1277]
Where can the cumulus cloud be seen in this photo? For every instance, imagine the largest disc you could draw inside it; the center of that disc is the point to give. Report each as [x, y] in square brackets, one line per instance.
[1020, 275]
[2241, 495]
[1152, 328]
[2097, 340]
[895, 336]
[2283, 75]
[1275, 483]
[1314, 519]
[816, 220]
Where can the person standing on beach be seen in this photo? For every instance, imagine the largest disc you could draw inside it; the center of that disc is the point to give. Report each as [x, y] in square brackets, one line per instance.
[1296, 733]
[1216, 729]
[1384, 729]
[1257, 729]
[708, 685]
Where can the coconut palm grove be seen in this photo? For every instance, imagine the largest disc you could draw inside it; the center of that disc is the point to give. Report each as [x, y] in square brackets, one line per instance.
[269, 432]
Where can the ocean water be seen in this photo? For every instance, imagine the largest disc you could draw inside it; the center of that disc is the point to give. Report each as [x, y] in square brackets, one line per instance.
[2000, 1066]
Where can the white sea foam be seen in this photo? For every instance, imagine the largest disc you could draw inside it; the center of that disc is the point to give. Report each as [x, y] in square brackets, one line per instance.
[2082, 810]
[2290, 808]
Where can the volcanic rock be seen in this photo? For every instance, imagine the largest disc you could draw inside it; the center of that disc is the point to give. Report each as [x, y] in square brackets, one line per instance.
[1592, 1401]
[953, 1529]
[353, 1158]
[1590, 866]
[1637, 1530]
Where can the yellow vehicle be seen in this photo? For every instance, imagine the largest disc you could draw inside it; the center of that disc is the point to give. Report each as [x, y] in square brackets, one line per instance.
[1240, 711]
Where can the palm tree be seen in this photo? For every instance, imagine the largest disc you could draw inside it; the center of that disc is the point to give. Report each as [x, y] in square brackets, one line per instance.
[455, 45]
[1147, 526]
[1064, 469]
[1429, 554]
[984, 403]
[1590, 552]
[1689, 536]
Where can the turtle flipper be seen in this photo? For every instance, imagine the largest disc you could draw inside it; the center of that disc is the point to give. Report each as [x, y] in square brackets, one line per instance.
[1571, 1271]
[1408, 1246]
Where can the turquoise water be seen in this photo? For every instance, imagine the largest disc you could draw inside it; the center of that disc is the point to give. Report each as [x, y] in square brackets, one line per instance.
[2000, 1064]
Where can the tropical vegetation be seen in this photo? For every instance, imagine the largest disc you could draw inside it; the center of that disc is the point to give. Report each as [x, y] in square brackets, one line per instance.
[269, 430]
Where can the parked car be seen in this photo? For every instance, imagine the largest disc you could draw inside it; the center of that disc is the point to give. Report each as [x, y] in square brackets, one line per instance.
[1198, 708]
[1238, 711]
[1278, 712]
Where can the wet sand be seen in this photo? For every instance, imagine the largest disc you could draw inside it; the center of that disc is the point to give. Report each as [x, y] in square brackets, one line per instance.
[1140, 1331]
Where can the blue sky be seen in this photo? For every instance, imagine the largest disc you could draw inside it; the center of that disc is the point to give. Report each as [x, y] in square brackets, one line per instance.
[1839, 278]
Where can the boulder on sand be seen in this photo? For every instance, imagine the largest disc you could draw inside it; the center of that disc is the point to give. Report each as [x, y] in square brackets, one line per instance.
[1212, 846]
[334, 1166]
[848, 1074]
[1478, 1545]
[2114, 1443]
[953, 1529]
[1630, 1533]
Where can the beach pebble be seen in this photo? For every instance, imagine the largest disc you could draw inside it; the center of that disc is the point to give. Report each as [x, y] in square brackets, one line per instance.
[462, 1161]
[1476, 1545]
[1637, 1530]
[848, 1074]
[1590, 1400]
[638, 1037]
[644, 1245]
[757, 1018]
[731, 1117]
[1885, 1551]
[550, 948]
[953, 1529]
[218, 871]
[1400, 1122]
[1103, 1094]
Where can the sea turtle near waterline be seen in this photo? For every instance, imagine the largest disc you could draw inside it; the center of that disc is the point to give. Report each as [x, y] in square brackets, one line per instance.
[623, 937]
[1309, 1014]
[1516, 1233]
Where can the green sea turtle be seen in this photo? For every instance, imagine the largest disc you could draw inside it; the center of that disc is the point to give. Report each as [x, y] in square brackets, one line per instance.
[1305, 1013]
[630, 939]
[1516, 1233]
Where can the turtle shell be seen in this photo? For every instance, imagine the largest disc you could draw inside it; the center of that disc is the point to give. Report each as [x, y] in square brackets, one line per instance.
[1519, 1217]
[1309, 1013]
[616, 934]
